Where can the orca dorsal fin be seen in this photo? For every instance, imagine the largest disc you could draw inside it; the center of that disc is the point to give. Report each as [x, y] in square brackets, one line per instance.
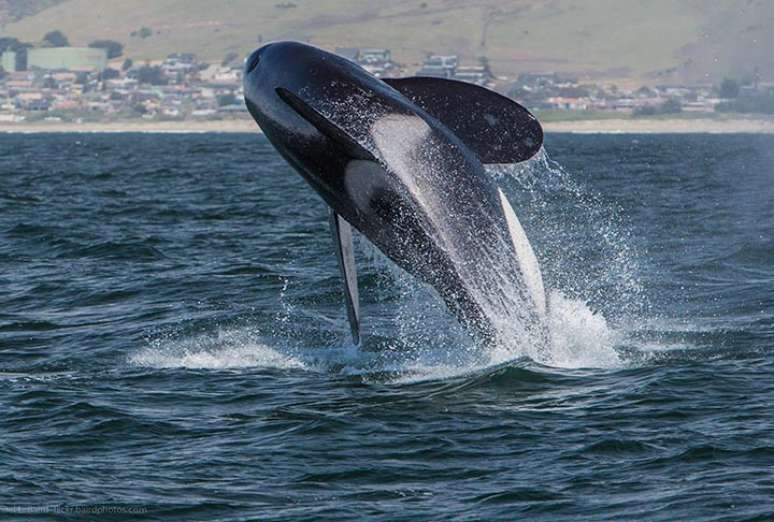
[345, 253]
[332, 131]
[496, 128]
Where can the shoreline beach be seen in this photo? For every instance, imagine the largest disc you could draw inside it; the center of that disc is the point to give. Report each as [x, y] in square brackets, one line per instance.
[608, 126]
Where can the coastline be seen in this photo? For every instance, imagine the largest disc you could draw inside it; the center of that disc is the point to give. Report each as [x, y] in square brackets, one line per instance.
[188, 126]
[606, 126]
[664, 126]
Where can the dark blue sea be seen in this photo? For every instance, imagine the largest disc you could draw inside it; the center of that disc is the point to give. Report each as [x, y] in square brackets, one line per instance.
[174, 344]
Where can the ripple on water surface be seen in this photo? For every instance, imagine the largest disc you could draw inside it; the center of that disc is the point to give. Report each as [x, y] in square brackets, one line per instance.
[172, 339]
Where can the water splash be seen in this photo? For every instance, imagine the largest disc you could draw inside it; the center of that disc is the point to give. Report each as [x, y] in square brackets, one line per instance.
[587, 260]
[581, 237]
[580, 337]
[587, 287]
[593, 292]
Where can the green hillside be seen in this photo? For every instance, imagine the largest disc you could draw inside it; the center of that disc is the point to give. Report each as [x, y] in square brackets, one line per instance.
[658, 40]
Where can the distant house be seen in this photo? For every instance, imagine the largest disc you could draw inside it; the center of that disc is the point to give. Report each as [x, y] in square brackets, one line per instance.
[448, 62]
[178, 65]
[435, 72]
[22, 83]
[568, 103]
[350, 53]
[439, 66]
[374, 60]
[64, 77]
[217, 74]
[540, 81]
[11, 118]
[182, 58]
[374, 56]
[122, 84]
[473, 74]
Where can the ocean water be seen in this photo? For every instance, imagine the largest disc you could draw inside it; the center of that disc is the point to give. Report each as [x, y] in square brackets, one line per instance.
[173, 342]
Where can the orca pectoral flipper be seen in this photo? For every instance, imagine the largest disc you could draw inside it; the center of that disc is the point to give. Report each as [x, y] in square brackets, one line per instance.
[496, 128]
[528, 263]
[345, 253]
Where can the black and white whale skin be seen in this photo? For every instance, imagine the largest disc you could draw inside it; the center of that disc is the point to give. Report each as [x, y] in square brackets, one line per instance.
[401, 161]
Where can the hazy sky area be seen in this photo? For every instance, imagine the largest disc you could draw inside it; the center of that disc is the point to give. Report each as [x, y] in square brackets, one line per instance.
[659, 41]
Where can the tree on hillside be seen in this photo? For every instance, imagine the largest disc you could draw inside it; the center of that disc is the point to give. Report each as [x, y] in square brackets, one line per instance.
[8, 43]
[762, 103]
[645, 110]
[110, 74]
[645, 92]
[151, 75]
[20, 48]
[55, 39]
[143, 32]
[127, 64]
[114, 49]
[671, 106]
[729, 88]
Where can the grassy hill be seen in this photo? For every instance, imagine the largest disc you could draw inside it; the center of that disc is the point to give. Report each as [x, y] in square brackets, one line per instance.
[654, 41]
[14, 10]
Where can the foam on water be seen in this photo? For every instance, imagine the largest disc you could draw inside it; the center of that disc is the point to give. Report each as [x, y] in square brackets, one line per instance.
[579, 337]
[426, 344]
[226, 349]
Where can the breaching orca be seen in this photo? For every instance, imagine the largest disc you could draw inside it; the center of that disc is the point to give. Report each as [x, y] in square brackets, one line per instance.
[401, 161]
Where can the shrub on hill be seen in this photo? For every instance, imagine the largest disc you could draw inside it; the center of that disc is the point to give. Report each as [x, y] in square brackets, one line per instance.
[672, 106]
[114, 49]
[55, 39]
